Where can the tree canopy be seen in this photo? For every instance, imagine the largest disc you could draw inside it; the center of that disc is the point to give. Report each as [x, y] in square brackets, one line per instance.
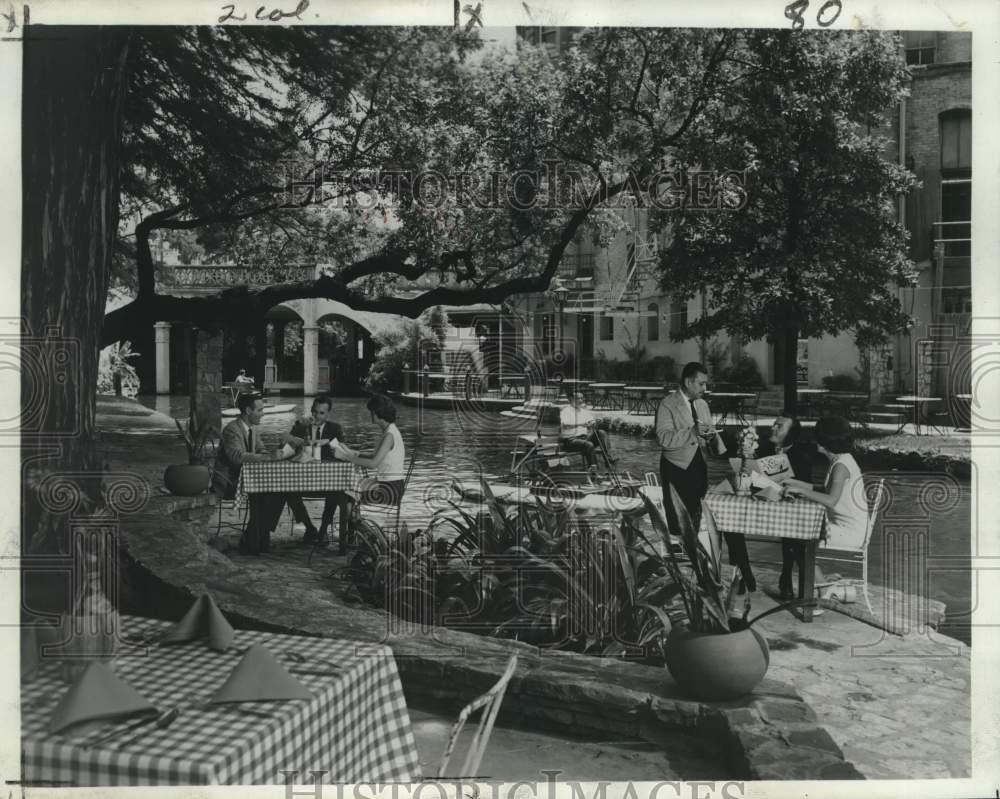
[816, 246]
[418, 160]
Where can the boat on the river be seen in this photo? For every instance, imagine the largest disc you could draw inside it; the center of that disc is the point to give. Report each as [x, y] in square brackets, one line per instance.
[287, 407]
[542, 470]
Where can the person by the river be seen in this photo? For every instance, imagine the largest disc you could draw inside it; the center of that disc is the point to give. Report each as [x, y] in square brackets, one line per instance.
[684, 431]
[318, 430]
[242, 379]
[578, 432]
[241, 444]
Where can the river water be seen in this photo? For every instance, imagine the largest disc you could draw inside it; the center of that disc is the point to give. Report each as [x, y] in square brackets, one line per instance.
[931, 510]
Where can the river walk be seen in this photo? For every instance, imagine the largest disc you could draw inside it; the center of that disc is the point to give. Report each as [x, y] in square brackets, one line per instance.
[841, 698]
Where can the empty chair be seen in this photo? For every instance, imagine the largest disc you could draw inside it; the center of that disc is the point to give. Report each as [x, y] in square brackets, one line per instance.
[490, 705]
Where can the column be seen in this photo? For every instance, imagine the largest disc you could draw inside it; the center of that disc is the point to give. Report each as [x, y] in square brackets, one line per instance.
[162, 338]
[310, 360]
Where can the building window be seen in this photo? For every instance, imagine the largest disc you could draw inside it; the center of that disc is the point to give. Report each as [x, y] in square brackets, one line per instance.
[956, 141]
[607, 328]
[956, 300]
[678, 315]
[919, 46]
[653, 322]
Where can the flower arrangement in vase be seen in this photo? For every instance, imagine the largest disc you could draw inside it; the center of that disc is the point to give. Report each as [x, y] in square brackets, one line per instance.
[747, 440]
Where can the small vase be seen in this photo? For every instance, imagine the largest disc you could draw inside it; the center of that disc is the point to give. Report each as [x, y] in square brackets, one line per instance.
[91, 631]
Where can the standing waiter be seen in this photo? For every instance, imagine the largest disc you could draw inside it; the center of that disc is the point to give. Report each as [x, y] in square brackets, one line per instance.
[684, 430]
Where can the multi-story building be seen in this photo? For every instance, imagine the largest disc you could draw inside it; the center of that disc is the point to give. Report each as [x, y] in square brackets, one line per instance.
[607, 303]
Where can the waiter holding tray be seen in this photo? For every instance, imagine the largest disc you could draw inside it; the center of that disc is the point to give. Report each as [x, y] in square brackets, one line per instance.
[684, 430]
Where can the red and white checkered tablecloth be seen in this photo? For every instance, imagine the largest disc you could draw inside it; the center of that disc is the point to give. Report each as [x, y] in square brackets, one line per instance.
[356, 727]
[285, 477]
[799, 519]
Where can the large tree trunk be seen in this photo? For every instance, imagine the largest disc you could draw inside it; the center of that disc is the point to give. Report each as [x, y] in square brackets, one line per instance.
[790, 368]
[73, 91]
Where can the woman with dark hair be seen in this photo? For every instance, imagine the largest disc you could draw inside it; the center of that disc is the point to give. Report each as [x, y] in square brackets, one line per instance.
[785, 441]
[386, 487]
[843, 492]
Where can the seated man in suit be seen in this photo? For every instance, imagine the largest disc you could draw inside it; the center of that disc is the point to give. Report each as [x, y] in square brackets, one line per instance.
[305, 432]
[785, 440]
[241, 444]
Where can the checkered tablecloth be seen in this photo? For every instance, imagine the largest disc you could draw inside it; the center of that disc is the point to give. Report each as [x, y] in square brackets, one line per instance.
[356, 727]
[285, 477]
[800, 519]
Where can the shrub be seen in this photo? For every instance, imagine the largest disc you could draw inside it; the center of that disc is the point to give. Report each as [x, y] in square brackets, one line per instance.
[397, 348]
[744, 372]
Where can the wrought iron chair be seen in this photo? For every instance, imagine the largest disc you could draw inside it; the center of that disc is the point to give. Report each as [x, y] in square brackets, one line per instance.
[490, 704]
[858, 555]
[397, 506]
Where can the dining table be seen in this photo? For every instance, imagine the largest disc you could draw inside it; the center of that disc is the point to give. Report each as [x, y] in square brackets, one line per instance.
[725, 403]
[644, 399]
[293, 477]
[919, 410]
[806, 397]
[609, 397]
[765, 520]
[354, 727]
[260, 480]
[756, 519]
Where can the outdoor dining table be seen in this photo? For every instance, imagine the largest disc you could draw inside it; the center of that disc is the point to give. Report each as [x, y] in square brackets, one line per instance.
[314, 478]
[919, 409]
[807, 395]
[235, 389]
[641, 401]
[354, 728]
[606, 397]
[289, 477]
[763, 520]
[728, 402]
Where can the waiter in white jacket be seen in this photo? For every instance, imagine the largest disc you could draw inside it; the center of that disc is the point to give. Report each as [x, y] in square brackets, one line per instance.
[684, 430]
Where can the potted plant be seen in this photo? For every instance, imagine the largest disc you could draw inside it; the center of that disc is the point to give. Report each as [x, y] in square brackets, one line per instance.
[715, 655]
[194, 477]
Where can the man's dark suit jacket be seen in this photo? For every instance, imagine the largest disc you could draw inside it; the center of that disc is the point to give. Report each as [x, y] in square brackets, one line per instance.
[229, 459]
[329, 430]
[798, 458]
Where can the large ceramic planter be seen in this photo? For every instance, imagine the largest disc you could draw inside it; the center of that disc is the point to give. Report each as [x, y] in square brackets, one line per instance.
[717, 666]
[186, 480]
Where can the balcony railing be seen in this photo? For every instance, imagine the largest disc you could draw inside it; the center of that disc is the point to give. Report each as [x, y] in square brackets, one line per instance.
[577, 265]
[953, 239]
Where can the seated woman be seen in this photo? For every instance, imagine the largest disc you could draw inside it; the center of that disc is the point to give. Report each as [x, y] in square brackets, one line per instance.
[386, 488]
[843, 491]
[578, 432]
[785, 441]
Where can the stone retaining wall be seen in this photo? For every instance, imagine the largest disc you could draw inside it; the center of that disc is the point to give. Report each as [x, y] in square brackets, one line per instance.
[770, 735]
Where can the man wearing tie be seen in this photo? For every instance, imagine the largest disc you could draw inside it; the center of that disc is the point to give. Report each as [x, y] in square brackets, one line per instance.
[241, 444]
[318, 430]
[684, 430]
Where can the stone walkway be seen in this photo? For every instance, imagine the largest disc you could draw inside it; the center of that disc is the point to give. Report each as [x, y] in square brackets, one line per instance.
[898, 707]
